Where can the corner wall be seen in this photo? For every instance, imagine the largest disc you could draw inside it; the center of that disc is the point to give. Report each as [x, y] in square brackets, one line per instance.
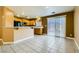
[70, 24]
[76, 25]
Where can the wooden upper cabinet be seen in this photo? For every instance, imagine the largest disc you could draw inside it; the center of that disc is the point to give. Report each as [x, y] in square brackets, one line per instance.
[8, 18]
[32, 22]
[17, 19]
[27, 22]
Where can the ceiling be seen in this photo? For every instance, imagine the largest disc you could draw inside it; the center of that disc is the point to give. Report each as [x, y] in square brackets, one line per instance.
[33, 11]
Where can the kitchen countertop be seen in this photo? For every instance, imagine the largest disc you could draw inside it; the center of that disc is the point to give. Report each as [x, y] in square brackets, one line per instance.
[38, 27]
[29, 27]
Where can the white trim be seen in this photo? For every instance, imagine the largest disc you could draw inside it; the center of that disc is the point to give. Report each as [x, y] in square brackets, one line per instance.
[17, 41]
[23, 39]
[7, 42]
[69, 38]
[76, 44]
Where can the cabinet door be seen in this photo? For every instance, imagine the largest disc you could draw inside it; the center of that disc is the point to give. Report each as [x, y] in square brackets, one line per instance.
[8, 35]
[38, 31]
[8, 18]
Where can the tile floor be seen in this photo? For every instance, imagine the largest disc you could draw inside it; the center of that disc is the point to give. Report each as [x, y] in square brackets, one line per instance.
[41, 44]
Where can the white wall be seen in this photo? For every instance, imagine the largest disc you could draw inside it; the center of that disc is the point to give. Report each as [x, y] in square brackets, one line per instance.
[76, 25]
[23, 34]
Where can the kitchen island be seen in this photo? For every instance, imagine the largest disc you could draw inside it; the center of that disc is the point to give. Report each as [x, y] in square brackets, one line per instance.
[23, 33]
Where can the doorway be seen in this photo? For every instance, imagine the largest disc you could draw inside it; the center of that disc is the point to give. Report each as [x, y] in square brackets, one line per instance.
[57, 26]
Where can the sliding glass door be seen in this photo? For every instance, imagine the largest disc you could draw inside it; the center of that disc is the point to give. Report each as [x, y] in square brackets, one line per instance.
[56, 26]
[51, 26]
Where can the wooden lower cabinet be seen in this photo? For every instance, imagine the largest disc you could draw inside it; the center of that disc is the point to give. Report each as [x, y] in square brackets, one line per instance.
[1, 43]
[8, 34]
[38, 31]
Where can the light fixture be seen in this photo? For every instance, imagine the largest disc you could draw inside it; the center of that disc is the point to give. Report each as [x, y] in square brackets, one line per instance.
[38, 18]
[28, 17]
[53, 12]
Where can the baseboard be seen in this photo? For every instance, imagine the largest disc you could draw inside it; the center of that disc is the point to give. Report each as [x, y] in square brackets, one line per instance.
[76, 44]
[69, 38]
[17, 40]
[23, 39]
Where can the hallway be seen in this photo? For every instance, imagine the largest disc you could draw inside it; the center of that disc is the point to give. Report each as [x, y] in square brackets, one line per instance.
[41, 44]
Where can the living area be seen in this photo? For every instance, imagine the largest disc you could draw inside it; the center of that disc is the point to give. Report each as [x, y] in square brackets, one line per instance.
[26, 29]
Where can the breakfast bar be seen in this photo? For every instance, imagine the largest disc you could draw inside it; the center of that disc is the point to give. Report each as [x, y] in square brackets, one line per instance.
[23, 33]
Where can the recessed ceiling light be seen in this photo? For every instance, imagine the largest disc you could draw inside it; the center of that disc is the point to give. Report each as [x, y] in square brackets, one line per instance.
[53, 12]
